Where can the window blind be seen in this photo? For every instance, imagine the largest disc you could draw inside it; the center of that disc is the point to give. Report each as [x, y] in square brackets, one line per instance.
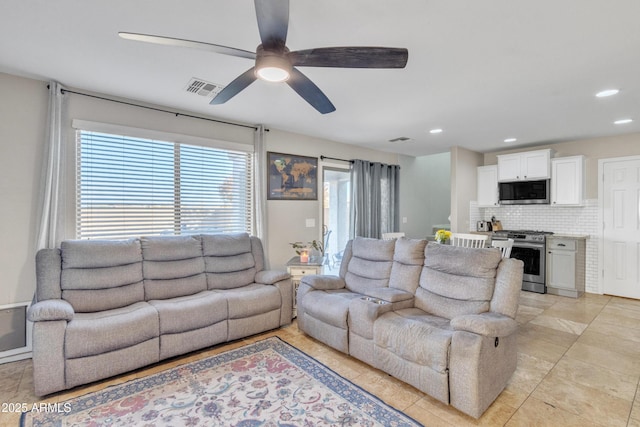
[130, 186]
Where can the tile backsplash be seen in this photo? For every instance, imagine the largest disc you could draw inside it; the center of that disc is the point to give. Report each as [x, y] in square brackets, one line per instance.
[562, 220]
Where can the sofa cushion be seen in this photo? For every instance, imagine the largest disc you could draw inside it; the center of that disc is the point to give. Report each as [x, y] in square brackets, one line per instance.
[229, 261]
[190, 312]
[331, 307]
[101, 274]
[251, 300]
[415, 336]
[457, 280]
[408, 260]
[370, 264]
[89, 334]
[172, 266]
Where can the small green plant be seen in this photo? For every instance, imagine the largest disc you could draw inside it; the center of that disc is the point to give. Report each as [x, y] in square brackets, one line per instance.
[314, 244]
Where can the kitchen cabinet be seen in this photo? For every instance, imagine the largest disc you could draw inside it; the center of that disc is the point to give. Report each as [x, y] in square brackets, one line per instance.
[567, 181]
[487, 186]
[525, 166]
[565, 266]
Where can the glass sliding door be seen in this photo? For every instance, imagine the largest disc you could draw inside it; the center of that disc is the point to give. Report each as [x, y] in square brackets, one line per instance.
[336, 204]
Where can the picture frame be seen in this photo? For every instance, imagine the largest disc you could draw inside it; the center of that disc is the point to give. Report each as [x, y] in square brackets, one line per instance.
[291, 177]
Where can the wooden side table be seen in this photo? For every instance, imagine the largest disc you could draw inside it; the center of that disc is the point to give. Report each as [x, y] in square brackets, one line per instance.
[299, 269]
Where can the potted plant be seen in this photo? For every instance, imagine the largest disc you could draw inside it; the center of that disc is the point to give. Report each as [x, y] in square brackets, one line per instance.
[303, 250]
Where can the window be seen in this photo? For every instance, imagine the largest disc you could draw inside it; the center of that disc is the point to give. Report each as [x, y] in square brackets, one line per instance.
[129, 186]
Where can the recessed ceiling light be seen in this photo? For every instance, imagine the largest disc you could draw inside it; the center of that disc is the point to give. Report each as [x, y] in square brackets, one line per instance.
[607, 92]
[510, 140]
[435, 131]
[622, 121]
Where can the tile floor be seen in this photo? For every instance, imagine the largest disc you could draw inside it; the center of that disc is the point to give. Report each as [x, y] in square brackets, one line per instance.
[579, 365]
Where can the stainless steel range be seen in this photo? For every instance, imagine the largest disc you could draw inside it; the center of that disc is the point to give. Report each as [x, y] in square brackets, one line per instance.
[529, 246]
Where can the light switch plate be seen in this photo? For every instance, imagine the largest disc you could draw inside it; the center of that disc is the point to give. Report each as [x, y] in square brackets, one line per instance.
[310, 222]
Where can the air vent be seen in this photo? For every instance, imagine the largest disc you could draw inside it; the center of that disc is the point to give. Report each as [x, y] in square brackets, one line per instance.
[203, 88]
[400, 139]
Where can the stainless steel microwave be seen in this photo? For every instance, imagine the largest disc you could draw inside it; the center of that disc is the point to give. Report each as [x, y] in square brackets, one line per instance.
[524, 192]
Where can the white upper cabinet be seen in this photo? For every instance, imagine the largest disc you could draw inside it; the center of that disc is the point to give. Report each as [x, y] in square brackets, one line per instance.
[567, 181]
[527, 166]
[488, 186]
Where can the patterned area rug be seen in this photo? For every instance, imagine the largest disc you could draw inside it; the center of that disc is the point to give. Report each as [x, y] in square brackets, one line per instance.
[267, 384]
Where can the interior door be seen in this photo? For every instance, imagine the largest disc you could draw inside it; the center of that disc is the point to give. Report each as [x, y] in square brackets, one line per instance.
[621, 222]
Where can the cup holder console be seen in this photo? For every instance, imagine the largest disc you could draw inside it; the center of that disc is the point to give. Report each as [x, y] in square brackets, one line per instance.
[374, 300]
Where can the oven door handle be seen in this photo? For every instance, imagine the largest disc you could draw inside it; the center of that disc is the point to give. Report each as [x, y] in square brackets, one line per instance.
[529, 245]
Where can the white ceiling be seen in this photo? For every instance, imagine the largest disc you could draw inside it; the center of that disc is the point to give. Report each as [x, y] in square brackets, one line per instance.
[482, 71]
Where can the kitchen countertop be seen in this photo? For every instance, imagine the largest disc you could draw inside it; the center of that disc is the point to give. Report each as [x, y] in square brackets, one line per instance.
[571, 236]
[561, 235]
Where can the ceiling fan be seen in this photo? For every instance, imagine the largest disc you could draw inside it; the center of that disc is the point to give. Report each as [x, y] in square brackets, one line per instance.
[275, 63]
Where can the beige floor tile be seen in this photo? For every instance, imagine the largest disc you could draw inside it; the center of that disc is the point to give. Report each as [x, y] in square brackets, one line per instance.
[554, 336]
[559, 324]
[630, 304]
[389, 389]
[609, 342]
[618, 384]
[529, 372]
[425, 417]
[618, 318]
[536, 413]
[605, 358]
[613, 330]
[541, 349]
[586, 402]
[580, 313]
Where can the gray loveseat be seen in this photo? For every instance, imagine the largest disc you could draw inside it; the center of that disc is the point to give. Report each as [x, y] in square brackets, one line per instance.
[438, 317]
[106, 307]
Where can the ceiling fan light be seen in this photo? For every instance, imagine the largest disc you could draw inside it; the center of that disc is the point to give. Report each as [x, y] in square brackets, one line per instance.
[273, 74]
[272, 66]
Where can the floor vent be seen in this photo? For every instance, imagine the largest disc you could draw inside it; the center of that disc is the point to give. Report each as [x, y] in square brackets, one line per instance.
[15, 332]
[203, 88]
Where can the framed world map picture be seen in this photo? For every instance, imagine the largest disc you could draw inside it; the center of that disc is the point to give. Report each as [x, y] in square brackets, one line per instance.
[291, 177]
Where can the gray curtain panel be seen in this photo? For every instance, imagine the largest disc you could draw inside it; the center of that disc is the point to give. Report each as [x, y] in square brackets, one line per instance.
[374, 198]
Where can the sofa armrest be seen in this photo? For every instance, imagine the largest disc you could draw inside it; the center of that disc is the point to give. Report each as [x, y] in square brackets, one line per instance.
[324, 282]
[269, 277]
[486, 324]
[50, 310]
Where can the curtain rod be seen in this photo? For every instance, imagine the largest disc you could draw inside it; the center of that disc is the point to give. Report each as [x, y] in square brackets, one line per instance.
[63, 91]
[334, 158]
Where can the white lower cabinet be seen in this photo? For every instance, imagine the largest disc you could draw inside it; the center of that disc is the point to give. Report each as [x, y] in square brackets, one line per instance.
[565, 266]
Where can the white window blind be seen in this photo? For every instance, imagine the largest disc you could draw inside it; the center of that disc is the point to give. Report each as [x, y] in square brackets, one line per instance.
[129, 187]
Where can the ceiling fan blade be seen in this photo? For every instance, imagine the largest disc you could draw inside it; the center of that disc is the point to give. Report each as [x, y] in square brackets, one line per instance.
[273, 21]
[170, 41]
[351, 57]
[310, 92]
[233, 88]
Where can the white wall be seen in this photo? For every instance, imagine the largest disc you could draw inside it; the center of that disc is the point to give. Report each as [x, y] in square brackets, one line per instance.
[464, 164]
[425, 193]
[23, 107]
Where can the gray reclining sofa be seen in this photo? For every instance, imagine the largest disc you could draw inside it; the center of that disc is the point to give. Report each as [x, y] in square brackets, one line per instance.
[438, 317]
[106, 307]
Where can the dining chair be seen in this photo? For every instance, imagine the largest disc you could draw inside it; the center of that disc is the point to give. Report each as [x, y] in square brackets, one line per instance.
[504, 246]
[469, 240]
[391, 236]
